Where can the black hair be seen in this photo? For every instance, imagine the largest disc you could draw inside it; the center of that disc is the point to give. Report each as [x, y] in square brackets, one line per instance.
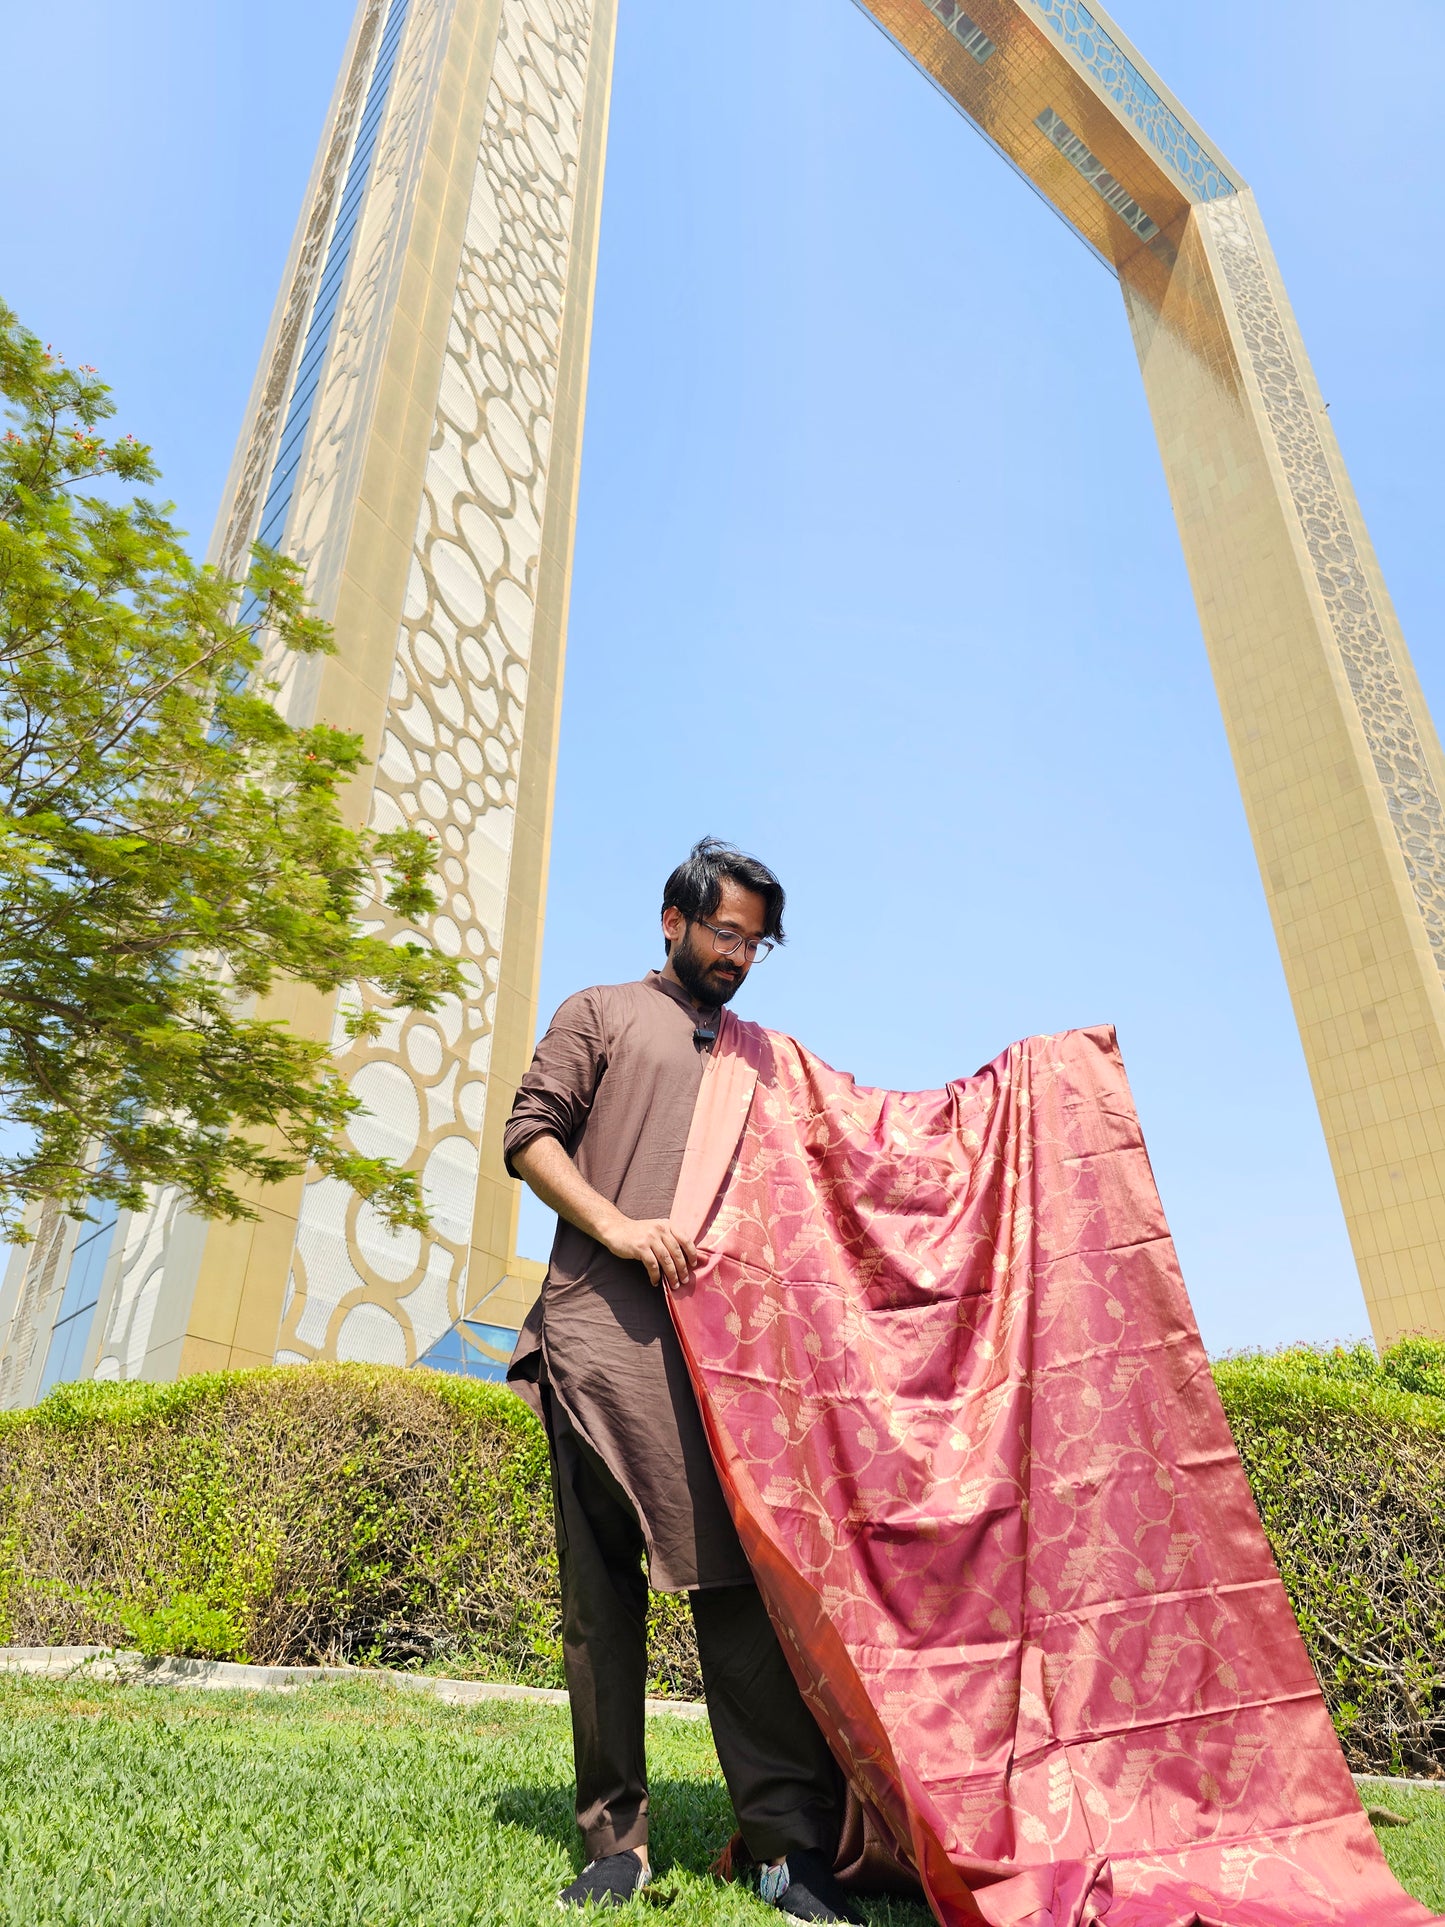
[695, 886]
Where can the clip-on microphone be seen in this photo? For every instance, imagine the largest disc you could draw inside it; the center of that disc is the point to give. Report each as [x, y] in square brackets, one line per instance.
[705, 1034]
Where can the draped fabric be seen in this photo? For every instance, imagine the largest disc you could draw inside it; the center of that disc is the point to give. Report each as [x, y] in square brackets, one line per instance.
[973, 1449]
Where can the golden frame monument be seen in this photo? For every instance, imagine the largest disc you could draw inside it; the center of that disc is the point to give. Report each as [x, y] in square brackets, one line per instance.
[414, 438]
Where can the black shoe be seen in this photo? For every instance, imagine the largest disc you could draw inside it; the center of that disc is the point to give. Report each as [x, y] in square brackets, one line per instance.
[610, 1882]
[805, 1888]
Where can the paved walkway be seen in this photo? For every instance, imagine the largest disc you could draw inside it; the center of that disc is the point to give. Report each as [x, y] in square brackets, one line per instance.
[104, 1662]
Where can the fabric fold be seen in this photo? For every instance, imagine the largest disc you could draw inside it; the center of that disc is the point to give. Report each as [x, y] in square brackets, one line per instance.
[968, 1435]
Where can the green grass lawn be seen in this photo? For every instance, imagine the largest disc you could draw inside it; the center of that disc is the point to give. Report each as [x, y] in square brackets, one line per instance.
[346, 1805]
[1417, 1852]
[353, 1805]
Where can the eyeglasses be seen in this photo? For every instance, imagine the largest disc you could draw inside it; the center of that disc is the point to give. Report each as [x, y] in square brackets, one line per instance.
[728, 942]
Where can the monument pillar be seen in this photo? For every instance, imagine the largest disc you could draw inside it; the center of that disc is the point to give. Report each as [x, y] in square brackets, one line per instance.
[414, 442]
[1338, 762]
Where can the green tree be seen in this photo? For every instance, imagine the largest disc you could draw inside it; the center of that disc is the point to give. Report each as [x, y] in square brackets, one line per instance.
[170, 847]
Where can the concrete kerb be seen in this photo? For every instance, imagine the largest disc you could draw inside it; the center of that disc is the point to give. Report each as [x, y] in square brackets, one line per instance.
[109, 1663]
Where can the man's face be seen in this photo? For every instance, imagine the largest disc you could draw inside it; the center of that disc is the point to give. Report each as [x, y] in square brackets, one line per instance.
[706, 974]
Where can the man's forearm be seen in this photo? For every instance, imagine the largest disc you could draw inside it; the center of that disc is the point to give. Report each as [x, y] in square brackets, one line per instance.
[545, 1168]
[665, 1254]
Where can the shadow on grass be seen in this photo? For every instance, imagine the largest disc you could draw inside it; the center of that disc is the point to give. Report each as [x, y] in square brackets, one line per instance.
[689, 1822]
[545, 1810]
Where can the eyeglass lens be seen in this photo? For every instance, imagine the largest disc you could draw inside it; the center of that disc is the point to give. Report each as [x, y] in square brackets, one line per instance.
[726, 942]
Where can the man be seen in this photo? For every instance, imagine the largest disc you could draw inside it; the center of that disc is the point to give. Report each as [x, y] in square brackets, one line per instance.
[598, 1132]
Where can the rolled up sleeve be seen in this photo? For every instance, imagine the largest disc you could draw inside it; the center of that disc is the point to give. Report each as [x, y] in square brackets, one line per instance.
[555, 1096]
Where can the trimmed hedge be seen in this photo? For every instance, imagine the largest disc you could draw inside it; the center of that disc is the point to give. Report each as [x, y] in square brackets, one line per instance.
[1345, 1454]
[331, 1513]
[398, 1517]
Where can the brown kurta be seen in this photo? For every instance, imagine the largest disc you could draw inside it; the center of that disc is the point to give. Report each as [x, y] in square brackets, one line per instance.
[615, 1080]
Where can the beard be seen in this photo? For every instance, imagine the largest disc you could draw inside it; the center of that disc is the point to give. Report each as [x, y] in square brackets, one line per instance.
[707, 979]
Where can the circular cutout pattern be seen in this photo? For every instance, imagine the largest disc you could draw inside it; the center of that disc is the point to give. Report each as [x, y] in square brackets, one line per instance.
[457, 711]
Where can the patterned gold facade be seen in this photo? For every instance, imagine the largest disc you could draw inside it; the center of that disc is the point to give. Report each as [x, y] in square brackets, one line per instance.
[414, 440]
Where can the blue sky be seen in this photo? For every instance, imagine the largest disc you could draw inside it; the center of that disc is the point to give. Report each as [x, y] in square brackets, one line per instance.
[876, 571]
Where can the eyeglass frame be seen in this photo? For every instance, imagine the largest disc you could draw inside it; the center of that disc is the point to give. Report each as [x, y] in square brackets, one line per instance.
[760, 946]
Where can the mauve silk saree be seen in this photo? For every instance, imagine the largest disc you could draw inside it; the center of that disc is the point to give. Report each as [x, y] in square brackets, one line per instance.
[969, 1436]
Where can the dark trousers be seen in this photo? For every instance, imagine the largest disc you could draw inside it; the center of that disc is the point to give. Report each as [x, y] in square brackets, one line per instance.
[785, 1788]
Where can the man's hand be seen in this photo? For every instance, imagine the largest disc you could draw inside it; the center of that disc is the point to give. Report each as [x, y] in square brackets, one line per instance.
[651, 1242]
[666, 1255]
